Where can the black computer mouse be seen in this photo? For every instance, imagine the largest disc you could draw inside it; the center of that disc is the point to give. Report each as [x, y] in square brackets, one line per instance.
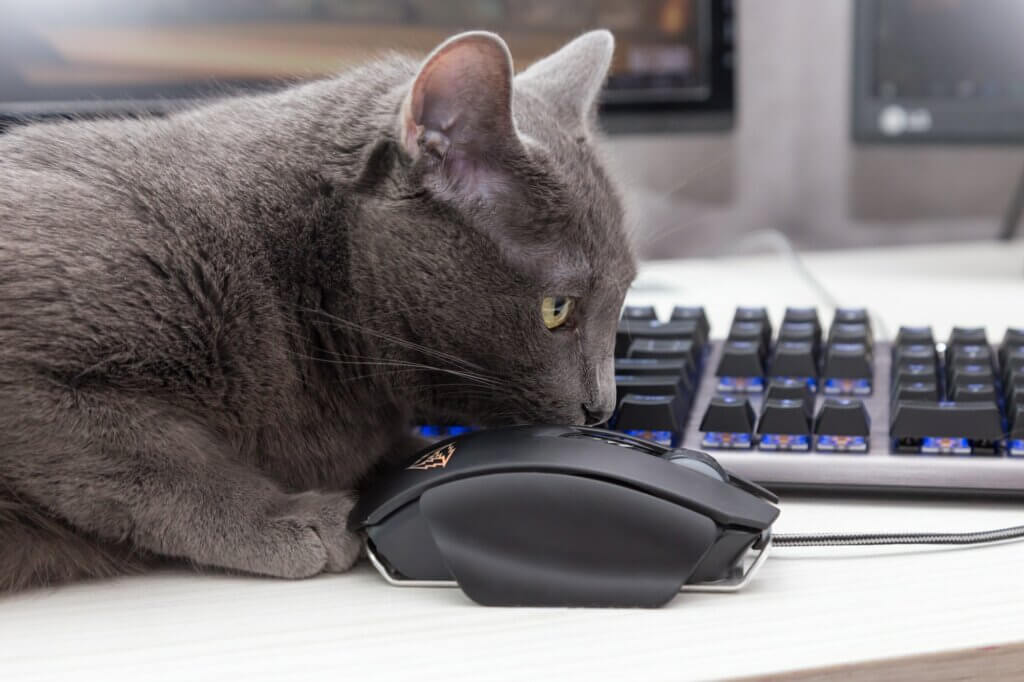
[563, 516]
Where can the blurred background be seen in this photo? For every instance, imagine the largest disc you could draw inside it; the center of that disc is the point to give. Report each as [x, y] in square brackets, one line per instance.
[843, 123]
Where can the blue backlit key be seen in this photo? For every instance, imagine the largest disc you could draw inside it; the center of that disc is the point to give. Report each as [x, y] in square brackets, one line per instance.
[788, 388]
[728, 423]
[653, 417]
[795, 359]
[784, 425]
[741, 368]
[848, 369]
[842, 425]
[946, 427]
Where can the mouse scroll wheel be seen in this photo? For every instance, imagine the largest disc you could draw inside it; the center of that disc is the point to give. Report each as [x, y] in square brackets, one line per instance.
[698, 461]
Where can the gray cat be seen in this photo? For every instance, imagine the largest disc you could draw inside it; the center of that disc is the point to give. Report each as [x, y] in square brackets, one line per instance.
[215, 325]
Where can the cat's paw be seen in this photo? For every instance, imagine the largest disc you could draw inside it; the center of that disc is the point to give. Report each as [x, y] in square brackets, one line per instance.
[327, 515]
[287, 548]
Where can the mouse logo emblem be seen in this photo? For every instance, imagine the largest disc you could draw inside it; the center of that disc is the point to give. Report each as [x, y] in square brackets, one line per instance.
[435, 459]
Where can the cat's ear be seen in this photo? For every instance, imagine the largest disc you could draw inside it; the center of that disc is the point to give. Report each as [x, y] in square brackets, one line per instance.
[459, 107]
[571, 79]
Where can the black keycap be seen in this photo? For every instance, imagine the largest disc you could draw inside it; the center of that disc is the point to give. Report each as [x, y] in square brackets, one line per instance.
[788, 417]
[639, 312]
[695, 313]
[967, 336]
[1011, 359]
[788, 388]
[651, 413]
[914, 336]
[851, 316]
[842, 417]
[794, 359]
[749, 313]
[1014, 376]
[1013, 338]
[970, 355]
[802, 315]
[653, 385]
[727, 414]
[915, 390]
[906, 374]
[799, 332]
[971, 374]
[1014, 389]
[649, 366]
[913, 355]
[974, 392]
[805, 332]
[740, 359]
[1014, 396]
[912, 419]
[664, 349]
[754, 331]
[847, 361]
[850, 333]
[631, 330]
[1016, 416]
[755, 314]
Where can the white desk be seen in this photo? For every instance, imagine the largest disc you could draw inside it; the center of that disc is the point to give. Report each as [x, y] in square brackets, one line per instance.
[807, 609]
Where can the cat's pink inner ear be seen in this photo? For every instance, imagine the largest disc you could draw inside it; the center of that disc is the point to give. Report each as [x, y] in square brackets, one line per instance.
[460, 104]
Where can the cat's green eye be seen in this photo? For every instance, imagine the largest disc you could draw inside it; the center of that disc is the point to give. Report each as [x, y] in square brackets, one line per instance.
[555, 310]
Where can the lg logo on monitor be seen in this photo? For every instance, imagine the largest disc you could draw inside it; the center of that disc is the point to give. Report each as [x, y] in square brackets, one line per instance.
[895, 120]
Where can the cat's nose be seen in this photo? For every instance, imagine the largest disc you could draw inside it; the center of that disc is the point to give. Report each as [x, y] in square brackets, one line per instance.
[596, 414]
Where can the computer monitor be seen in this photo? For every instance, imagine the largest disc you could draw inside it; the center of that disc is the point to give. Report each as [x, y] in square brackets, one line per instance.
[938, 71]
[673, 66]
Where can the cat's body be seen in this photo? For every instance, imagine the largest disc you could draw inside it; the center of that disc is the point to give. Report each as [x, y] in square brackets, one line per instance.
[216, 324]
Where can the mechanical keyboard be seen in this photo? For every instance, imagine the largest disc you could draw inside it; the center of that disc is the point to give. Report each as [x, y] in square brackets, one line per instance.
[811, 408]
[805, 408]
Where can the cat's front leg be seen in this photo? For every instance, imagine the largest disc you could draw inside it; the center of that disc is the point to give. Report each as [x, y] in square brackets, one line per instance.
[167, 484]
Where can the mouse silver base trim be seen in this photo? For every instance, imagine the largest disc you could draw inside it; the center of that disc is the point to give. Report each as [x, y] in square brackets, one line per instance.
[734, 584]
[738, 582]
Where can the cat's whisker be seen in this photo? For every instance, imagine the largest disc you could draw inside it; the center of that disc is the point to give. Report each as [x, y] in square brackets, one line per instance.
[336, 354]
[405, 365]
[304, 341]
[395, 340]
[459, 390]
[452, 391]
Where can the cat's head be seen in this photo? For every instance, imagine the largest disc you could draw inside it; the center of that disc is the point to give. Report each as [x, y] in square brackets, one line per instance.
[514, 258]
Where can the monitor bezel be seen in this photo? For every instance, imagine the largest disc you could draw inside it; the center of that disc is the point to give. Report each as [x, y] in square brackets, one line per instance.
[950, 121]
[713, 113]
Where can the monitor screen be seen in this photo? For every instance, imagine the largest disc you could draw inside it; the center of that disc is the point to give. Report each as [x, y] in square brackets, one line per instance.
[939, 70]
[61, 56]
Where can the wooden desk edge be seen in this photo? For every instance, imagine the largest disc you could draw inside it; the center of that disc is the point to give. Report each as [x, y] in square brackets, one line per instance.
[996, 662]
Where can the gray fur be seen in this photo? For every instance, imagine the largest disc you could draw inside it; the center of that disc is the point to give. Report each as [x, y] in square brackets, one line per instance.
[216, 325]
